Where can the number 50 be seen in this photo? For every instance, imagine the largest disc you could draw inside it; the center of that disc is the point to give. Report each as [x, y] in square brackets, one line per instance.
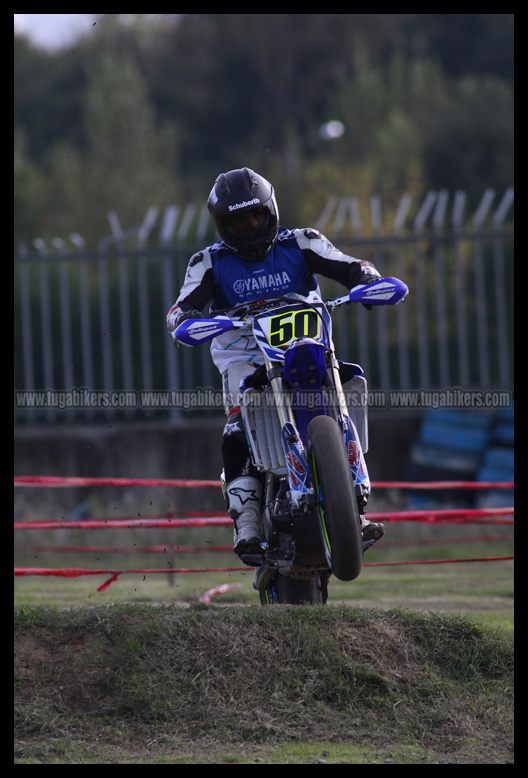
[291, 325]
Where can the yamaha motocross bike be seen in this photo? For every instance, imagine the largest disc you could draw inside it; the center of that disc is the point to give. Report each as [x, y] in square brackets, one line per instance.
[304, 413]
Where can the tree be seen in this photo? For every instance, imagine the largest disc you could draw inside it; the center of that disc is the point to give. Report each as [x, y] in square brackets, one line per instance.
[129, 164]
[469, 138]
[29, 193]
[148, 113]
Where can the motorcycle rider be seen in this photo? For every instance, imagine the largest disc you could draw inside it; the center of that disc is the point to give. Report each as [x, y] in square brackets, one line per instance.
[255, 260]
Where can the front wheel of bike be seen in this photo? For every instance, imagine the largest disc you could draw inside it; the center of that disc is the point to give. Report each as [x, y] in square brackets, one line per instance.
[338, 509]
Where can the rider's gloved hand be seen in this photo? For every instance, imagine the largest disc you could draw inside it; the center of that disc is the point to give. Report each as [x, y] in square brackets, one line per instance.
[189, 315]
[257, 380]
[368, 278]
[184, 315]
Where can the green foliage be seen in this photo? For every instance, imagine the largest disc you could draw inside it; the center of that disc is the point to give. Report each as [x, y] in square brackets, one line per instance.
[128, 162]
[469, 137]
[29, 192]
[148, 113]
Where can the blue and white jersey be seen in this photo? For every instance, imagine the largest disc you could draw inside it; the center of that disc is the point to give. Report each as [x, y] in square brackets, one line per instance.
[218, 277]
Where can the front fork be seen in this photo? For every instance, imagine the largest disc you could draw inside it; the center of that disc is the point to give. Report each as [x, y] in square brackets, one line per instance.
[294, 450]
[353, 446]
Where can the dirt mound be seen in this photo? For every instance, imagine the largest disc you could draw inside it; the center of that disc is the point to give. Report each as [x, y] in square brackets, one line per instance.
[179, 676]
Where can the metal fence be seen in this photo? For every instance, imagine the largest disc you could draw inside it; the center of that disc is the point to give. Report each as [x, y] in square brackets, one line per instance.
[90, 337]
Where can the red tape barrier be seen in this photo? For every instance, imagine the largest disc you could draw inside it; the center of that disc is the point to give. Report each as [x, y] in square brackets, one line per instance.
[483, 515]
[166, 549]
[206, 597]
[77, 572]
[213, 521]
[58, 481]
[472, 515]
[51, 480]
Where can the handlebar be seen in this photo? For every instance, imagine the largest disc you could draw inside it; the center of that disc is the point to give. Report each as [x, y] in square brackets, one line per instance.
[385, 291]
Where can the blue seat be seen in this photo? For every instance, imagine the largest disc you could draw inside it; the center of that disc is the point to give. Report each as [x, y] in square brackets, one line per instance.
[452, 440]
[500, 459]
[497, 465]
[456, 430]
[449, 447]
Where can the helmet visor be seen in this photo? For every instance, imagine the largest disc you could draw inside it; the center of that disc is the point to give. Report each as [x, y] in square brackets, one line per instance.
[251, 234]
[248, 224]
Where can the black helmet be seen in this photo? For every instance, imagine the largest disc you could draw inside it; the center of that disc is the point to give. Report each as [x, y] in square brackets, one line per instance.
[237, 193]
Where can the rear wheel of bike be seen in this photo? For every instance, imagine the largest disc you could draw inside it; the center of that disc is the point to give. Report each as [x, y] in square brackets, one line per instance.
[338, 509]
[295, 591]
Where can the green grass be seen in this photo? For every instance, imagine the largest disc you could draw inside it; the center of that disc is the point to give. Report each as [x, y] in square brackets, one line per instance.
[137, 683]
[483, 591]
[405, 665]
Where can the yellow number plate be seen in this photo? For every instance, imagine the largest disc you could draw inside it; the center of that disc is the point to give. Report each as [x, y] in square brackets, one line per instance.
[290, 325]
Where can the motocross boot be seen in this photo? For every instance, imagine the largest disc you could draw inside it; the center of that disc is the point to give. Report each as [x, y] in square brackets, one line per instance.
[243, 496]
[371, 531]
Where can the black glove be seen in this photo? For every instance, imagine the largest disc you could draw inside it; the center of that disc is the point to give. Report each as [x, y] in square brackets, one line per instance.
[189, 315]
[367, 278]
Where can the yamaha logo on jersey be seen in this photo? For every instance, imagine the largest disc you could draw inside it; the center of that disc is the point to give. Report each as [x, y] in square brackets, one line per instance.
[263, 282]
